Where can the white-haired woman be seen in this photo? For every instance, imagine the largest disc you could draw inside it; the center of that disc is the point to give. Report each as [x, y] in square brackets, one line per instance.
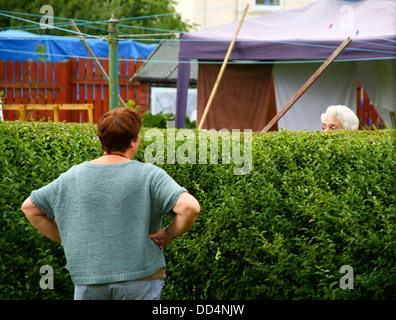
[339, 118]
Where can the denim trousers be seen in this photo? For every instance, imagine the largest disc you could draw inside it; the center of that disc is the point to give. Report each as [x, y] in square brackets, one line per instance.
[125, 290]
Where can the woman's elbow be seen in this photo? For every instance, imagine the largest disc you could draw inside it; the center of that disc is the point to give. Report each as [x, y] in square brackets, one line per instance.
[30, 210]
[195, 209]
[26, 206]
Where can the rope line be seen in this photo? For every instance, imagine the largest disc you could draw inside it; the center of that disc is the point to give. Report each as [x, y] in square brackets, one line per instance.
[200, 62]
[38, 23]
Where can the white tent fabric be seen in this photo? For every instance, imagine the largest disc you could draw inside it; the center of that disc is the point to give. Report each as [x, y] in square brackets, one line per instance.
[337, 85]
[298, 37]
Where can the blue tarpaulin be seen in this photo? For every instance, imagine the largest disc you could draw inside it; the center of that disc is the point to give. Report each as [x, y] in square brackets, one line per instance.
[23, 45]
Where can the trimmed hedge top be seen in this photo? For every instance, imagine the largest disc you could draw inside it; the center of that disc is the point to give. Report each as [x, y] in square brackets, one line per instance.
[311, 203]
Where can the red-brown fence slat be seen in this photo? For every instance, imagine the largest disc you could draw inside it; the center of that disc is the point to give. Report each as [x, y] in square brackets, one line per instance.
[10, 79]
[2, 89]
[18, 79]
[73, 86]
[10, 91]
[2, 75]
[25, 80]
[50, 79]
[366, 117]
[81, 77]
[50, 94]
[131, 72]
[62, 92]
[365, 110]
[98, 95]
[81, 95]
[105, 87]
[141, 91]
[33, 91]
[8, 115]
[359, 104]
[89, 87]
[17, 91]
[73, 81]
[123, 78]
[41, 83]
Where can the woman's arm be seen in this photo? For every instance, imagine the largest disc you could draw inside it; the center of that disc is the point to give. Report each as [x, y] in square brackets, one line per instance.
[187, 210]
[40, 221]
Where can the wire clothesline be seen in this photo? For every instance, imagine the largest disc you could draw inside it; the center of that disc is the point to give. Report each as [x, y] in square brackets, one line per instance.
[81, 23]
[200, 61]
[140, 36]
[38, 23]
[274, 41]
[172, 32]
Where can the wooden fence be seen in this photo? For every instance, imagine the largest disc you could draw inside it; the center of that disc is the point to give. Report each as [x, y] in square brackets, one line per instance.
[74, 81]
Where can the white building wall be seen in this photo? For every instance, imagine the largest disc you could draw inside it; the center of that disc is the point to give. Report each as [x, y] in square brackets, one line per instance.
[210, 13]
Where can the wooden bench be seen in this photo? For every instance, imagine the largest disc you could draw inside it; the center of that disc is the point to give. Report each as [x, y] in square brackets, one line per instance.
[22, 108]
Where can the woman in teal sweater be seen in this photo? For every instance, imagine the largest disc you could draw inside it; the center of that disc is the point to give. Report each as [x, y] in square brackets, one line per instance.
[107, 213]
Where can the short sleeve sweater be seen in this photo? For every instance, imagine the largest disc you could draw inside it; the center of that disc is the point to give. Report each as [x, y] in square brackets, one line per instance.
[104, 214]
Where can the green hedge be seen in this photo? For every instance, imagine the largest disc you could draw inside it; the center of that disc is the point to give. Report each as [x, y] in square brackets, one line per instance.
[312, 203]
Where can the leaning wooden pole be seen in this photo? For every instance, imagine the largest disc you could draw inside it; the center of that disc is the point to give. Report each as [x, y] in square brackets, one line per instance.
[307, 84]
[220, 75]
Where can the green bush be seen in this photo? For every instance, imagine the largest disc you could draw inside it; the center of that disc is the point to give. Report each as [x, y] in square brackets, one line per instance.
[312, 203]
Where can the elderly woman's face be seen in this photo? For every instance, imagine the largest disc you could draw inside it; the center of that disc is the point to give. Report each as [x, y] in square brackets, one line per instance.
[331, 123]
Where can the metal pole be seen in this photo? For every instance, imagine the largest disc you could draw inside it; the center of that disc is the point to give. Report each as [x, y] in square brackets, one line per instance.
[97, 63]
[113, 62]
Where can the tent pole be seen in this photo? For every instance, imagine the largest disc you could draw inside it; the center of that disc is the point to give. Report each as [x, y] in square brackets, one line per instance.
[220, 75]
[307, 84]
[97, 63]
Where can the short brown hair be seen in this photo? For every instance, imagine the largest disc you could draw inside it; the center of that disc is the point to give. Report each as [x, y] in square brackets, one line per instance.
[117, 128]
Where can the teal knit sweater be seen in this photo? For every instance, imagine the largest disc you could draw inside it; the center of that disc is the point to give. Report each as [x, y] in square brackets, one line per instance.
[104, 213]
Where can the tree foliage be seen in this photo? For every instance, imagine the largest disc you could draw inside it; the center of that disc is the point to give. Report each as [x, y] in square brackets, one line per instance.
[150, 16]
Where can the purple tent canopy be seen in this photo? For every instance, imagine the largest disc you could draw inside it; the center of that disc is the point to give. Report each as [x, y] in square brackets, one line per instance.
[311, 32]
